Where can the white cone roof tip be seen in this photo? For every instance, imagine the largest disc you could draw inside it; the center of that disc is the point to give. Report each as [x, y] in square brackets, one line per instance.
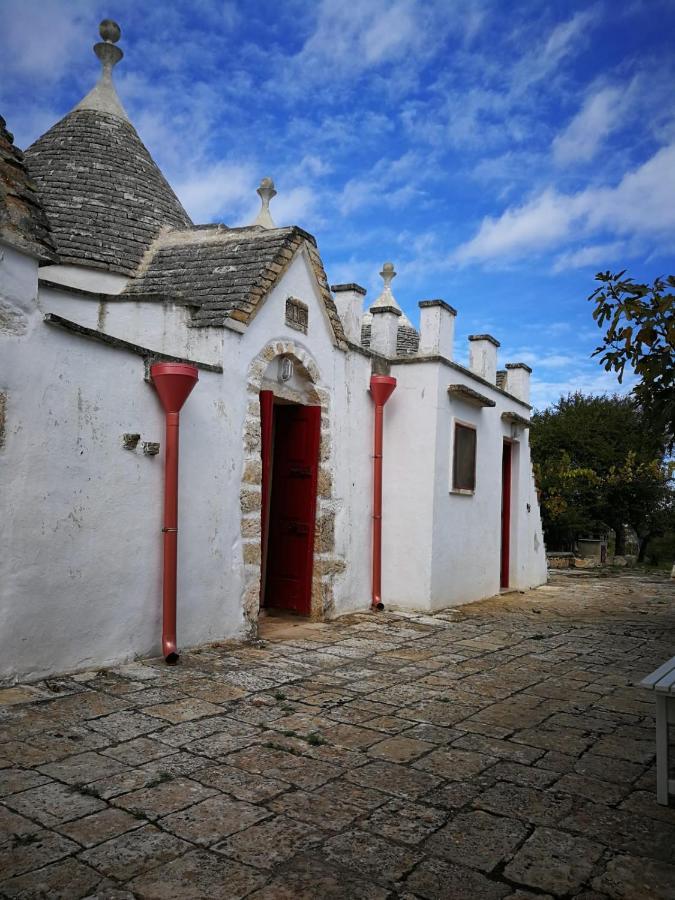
[386, 297]
[266, 192]
[103, 96]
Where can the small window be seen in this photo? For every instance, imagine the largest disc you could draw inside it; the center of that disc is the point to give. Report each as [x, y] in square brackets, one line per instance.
[297, 314]
[464, 459]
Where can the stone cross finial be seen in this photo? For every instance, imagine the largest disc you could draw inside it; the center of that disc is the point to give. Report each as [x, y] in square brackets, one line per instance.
[266, 192]
[103, 96]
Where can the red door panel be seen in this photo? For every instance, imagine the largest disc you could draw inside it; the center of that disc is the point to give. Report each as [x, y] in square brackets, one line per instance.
[506, 516]
[266, 436]
[292, 510]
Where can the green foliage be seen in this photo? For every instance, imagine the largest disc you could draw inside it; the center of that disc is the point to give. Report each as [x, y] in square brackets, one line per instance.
[600, 463]
[640, 332]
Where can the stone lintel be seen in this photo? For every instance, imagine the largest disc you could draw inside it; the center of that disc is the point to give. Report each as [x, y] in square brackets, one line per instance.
[514, 419]
[462, 392]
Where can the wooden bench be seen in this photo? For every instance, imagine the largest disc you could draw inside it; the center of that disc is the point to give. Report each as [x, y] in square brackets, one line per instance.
[662, 682]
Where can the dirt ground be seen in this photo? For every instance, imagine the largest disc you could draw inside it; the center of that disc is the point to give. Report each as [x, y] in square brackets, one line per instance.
[497, 750]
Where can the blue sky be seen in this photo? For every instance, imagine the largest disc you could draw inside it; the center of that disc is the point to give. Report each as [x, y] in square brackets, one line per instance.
[499, 153]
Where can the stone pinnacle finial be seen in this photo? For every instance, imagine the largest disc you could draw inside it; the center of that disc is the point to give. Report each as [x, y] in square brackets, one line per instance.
[110, 31]
[103, 96]
[266, 192]
[106, 50]
[387, 275]
[386, 297]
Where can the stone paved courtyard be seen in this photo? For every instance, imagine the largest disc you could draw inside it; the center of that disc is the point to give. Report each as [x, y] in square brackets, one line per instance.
[498, 750]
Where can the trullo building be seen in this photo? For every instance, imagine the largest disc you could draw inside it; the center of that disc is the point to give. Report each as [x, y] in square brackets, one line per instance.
[102, 276]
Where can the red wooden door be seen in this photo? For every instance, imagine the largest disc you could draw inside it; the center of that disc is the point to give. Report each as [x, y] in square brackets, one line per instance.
[506, 515]
[292, 509]
[266, 444]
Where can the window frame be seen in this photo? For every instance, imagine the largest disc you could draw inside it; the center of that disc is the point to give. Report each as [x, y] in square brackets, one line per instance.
[468, 426]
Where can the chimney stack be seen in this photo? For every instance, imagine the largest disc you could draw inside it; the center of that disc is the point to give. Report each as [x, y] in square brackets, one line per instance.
[349, 303]
[518, 380]
[384, 330]
[483, 356]
[437, 328]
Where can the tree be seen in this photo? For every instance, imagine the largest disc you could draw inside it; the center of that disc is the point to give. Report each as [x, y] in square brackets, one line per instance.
[600, 463]
[640, 333]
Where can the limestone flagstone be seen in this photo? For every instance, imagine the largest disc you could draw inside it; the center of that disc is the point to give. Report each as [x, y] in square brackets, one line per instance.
[335, 793]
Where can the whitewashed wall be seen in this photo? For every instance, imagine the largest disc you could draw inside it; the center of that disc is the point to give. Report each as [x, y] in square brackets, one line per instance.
[81, 563]
[442, 548]
[80, 572]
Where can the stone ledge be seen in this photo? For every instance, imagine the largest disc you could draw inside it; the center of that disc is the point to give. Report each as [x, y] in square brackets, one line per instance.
[462, 392]
[121, 344]
[514, 419]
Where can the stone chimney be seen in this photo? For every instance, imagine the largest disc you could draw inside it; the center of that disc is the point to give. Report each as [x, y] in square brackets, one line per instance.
[518, 380]
[384, 330]
[483, 356]
[437, 328]
[349, 303]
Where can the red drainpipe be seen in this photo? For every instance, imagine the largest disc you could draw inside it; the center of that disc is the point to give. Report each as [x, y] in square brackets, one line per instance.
[173, 382]
[381, 389]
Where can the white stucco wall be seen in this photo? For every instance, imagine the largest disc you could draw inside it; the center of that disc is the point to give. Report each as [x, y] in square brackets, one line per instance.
[442, 548]
[86, 278]
[80, 573]
[467, 528]
[81, 563]
[162, 327]
[409, 454]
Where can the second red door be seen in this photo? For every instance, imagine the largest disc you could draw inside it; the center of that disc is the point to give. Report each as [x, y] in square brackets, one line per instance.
[291, 511]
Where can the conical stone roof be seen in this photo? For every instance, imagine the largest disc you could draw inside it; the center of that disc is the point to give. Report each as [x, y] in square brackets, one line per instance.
[104, 196]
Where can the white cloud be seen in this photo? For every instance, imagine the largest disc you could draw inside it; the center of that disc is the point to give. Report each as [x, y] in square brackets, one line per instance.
[296, 206]
[592, 255]
[547, 392]
[563, 40]
[598, 117]
[221, 190]
[640, 205]
[390, 184]
[538, 224]
[45, 46]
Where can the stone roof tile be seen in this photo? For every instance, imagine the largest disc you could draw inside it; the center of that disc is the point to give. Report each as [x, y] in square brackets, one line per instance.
[105, 197]
[224, 273]
[23, 222]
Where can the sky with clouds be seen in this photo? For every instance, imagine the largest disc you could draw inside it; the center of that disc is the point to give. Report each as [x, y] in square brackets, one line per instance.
[499, 153]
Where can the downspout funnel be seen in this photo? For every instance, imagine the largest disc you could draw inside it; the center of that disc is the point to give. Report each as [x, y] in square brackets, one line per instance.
[173, 382]
[381, 389]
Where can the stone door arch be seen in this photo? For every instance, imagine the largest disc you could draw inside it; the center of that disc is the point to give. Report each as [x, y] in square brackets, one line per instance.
[327, 565]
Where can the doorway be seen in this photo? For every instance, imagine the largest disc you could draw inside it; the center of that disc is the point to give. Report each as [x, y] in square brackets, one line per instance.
[504, 574]
[290, 436]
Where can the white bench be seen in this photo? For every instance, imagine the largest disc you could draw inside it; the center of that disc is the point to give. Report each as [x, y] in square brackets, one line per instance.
[662, 682]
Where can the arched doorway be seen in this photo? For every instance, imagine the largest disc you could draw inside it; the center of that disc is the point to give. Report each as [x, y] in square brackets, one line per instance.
[302, 389]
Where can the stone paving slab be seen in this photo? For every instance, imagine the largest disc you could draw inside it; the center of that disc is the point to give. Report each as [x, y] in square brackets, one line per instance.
[497, 750]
